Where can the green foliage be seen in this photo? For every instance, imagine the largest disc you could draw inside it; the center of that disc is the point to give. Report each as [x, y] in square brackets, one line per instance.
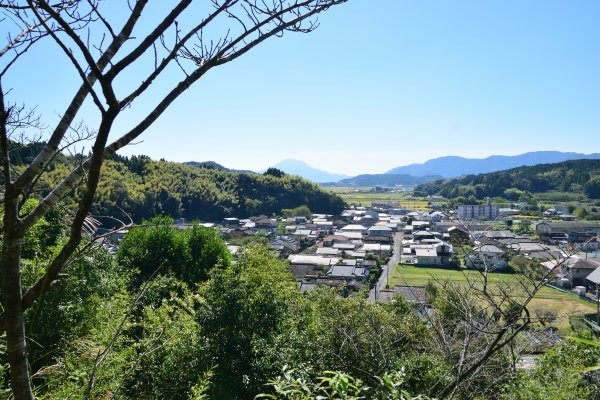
[68, 374]
[154, 245]
[199, 333]
[144, 188]
[332, 385]
[581, 213]
[68, 311]
[205, 249]
[575, 176]
[178, 190]
[592, 187]
[187, 255]
[524, 227]
[170, 360]
[300, 211]
[334, 333]
[244, 309]
[277, 173]
[297, 385]
[558, 375]
[200, 390]
[45, 233]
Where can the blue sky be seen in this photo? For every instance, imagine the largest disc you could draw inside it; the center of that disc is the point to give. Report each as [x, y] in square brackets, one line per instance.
[384, 83]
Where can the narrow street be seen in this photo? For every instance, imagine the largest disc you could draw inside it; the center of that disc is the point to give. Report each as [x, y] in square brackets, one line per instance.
[387, 268]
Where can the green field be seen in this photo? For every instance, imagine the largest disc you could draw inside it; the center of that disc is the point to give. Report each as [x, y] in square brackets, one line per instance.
[365, 196]
[563, 304]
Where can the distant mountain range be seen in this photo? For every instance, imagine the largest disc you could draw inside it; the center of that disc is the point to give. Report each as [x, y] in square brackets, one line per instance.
[417, 174]
[300, 168]
[453, 166]
[384, 180]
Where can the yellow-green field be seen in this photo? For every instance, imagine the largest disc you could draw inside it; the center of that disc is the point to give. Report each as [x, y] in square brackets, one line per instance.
[365, 196]
[563, 304]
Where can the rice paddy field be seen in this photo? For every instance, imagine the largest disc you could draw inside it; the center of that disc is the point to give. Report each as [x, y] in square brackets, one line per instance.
[562, 304]
[365, 196]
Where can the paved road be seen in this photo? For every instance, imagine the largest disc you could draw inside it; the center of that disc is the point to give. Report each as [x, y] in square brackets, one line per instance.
[394, 260]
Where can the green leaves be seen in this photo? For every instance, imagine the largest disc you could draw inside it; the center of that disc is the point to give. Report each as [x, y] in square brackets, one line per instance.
[187, 255]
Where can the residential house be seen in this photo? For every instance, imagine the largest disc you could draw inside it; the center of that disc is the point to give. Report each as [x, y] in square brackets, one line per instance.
[380, 231]
[432, 254]
[494, 234]
[303, 266]
[547, 228]
[469, 226]
[377, 249]
[349, 235]
[265, 223]
[437, 216]
[328, 252]
[231, 222]
[355, 228]
[577, 272]
[323, 225]
[459, 234]
[348, 272]
[420, 225]
[487, 257]
[348, 246]
[329, 241]
[594, 278]
[420, 236]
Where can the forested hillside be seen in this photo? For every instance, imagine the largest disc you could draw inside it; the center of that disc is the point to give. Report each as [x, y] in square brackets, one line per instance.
[145, 188]
[576, 176]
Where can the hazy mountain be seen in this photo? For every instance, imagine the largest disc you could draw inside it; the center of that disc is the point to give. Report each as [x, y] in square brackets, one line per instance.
[384, 180]
[453, 166]
[295, 167]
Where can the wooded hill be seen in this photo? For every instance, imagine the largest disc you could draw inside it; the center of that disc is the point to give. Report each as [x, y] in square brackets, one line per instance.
[575, 176]
[145, 188]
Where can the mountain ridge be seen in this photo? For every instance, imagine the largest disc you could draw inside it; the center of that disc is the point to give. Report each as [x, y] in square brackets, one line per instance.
[302, 169]
[383, 180]
[581, 176]
[455, 166]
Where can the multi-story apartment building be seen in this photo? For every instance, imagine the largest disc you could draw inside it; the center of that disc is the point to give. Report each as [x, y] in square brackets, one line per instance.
[477, 211]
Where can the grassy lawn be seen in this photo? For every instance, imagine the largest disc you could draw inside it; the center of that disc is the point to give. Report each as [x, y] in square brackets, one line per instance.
[563, 304]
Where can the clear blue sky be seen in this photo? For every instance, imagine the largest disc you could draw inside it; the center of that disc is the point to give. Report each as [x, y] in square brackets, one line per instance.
[384, 83]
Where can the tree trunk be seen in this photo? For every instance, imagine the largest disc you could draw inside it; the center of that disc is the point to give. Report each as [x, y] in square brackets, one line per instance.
[16, 346]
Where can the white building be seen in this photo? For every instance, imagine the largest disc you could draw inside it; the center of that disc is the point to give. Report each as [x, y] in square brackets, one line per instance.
[470, 212]
[487, 257]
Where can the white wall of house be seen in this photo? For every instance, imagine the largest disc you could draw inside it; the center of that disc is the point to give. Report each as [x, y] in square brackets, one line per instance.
[483, 260]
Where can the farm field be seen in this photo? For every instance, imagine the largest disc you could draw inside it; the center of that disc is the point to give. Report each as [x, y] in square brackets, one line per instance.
[563, 304]
[365, 196]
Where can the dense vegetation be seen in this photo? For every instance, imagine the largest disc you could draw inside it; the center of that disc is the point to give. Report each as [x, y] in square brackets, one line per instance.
[576, 176]
[144, 188]
[171, 317]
